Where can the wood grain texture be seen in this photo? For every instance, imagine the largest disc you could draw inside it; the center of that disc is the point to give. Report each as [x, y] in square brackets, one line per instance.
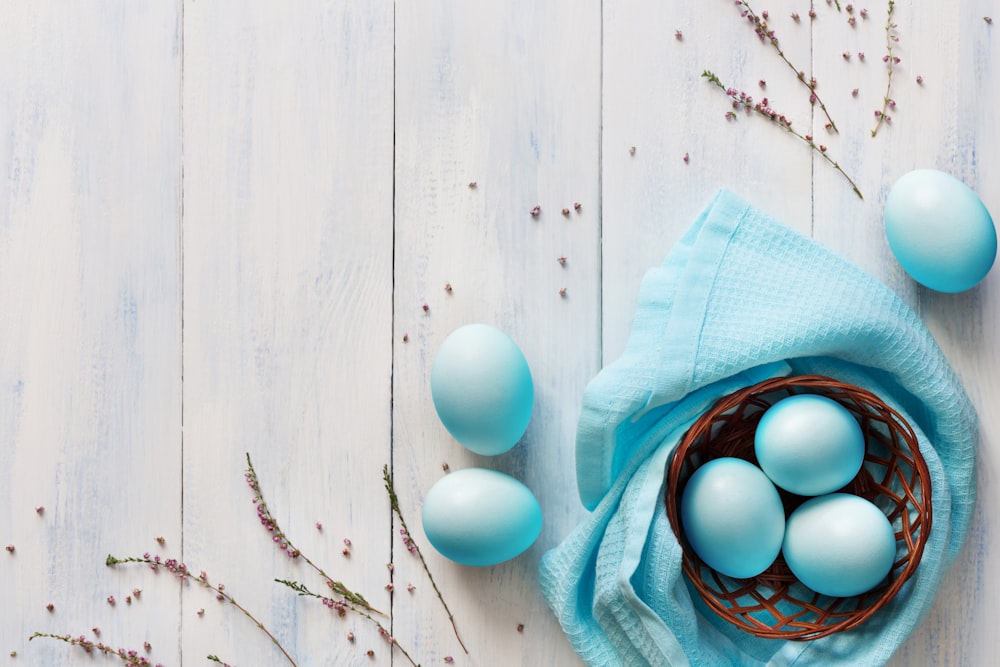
[288, 311]
[507, 96]
[89, 320]
[220, 222]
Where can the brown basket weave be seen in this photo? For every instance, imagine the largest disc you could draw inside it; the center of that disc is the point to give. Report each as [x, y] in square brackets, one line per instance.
[774, 604]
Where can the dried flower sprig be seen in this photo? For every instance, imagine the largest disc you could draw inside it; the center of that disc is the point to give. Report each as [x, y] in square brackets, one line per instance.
[741, 101]
[352, 600]
[349, 600]
[182, 572]
[128, 657]
[304, 591]
[766, 34]
[412, 547]
[890, 61]
[215, 658]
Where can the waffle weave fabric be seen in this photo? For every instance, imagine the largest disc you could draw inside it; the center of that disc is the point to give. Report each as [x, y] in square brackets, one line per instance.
[739, 299]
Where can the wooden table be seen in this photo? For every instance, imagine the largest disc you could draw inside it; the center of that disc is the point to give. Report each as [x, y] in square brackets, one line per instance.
[228, 227]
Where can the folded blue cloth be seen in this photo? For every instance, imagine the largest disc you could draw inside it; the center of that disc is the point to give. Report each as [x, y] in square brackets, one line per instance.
[739, 299]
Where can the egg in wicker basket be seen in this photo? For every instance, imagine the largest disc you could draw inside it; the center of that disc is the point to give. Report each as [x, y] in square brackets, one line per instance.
[774, 604]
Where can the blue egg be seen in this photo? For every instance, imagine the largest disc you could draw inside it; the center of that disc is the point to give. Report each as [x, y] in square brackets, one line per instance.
[480, 517]
[839, 545]
[940, 231]
[733, 517]
[482, 389]
[809, 445]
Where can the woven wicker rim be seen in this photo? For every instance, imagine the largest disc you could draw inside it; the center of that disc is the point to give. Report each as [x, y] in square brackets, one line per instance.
[903, 491]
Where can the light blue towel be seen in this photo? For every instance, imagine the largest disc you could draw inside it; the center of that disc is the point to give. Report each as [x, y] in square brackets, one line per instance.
[742, 298]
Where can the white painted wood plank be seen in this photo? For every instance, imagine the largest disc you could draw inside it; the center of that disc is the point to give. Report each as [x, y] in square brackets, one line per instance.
[89, 320]
[506, 95]
[844, 223]
[287, 348]
[656, 100]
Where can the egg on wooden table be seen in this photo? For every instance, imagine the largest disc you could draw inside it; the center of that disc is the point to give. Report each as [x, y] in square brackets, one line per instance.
[839, 544]
[480, 517]
[809, 444]
[733, 517]
[482, 389]
[940, 230]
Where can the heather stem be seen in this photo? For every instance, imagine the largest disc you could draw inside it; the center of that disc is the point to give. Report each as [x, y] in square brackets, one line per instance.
[302, 590]
[181, 570]
[762, 31]
[412, 546]
[127, 657]
[355, 601]
[745, 102]
[890, 62]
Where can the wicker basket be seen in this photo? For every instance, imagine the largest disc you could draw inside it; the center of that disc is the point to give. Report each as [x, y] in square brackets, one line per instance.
[774, 604]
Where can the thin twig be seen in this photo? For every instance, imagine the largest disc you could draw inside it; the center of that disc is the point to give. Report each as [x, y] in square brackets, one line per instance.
[181, 570]
[304, 591]
[128, 657]
[355, 601]
[412, 547]
[350, 600]
[767, 35]
[890, 60]
[743, 101]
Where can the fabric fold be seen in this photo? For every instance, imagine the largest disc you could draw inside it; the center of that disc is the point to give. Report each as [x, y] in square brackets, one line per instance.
[741, 298]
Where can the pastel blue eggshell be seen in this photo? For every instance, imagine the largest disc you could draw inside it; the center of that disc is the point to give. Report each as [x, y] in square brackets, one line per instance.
[839, 545]
[482, 389]
[733, 517]
[809, 445]
[940, 230]
[480, 517]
